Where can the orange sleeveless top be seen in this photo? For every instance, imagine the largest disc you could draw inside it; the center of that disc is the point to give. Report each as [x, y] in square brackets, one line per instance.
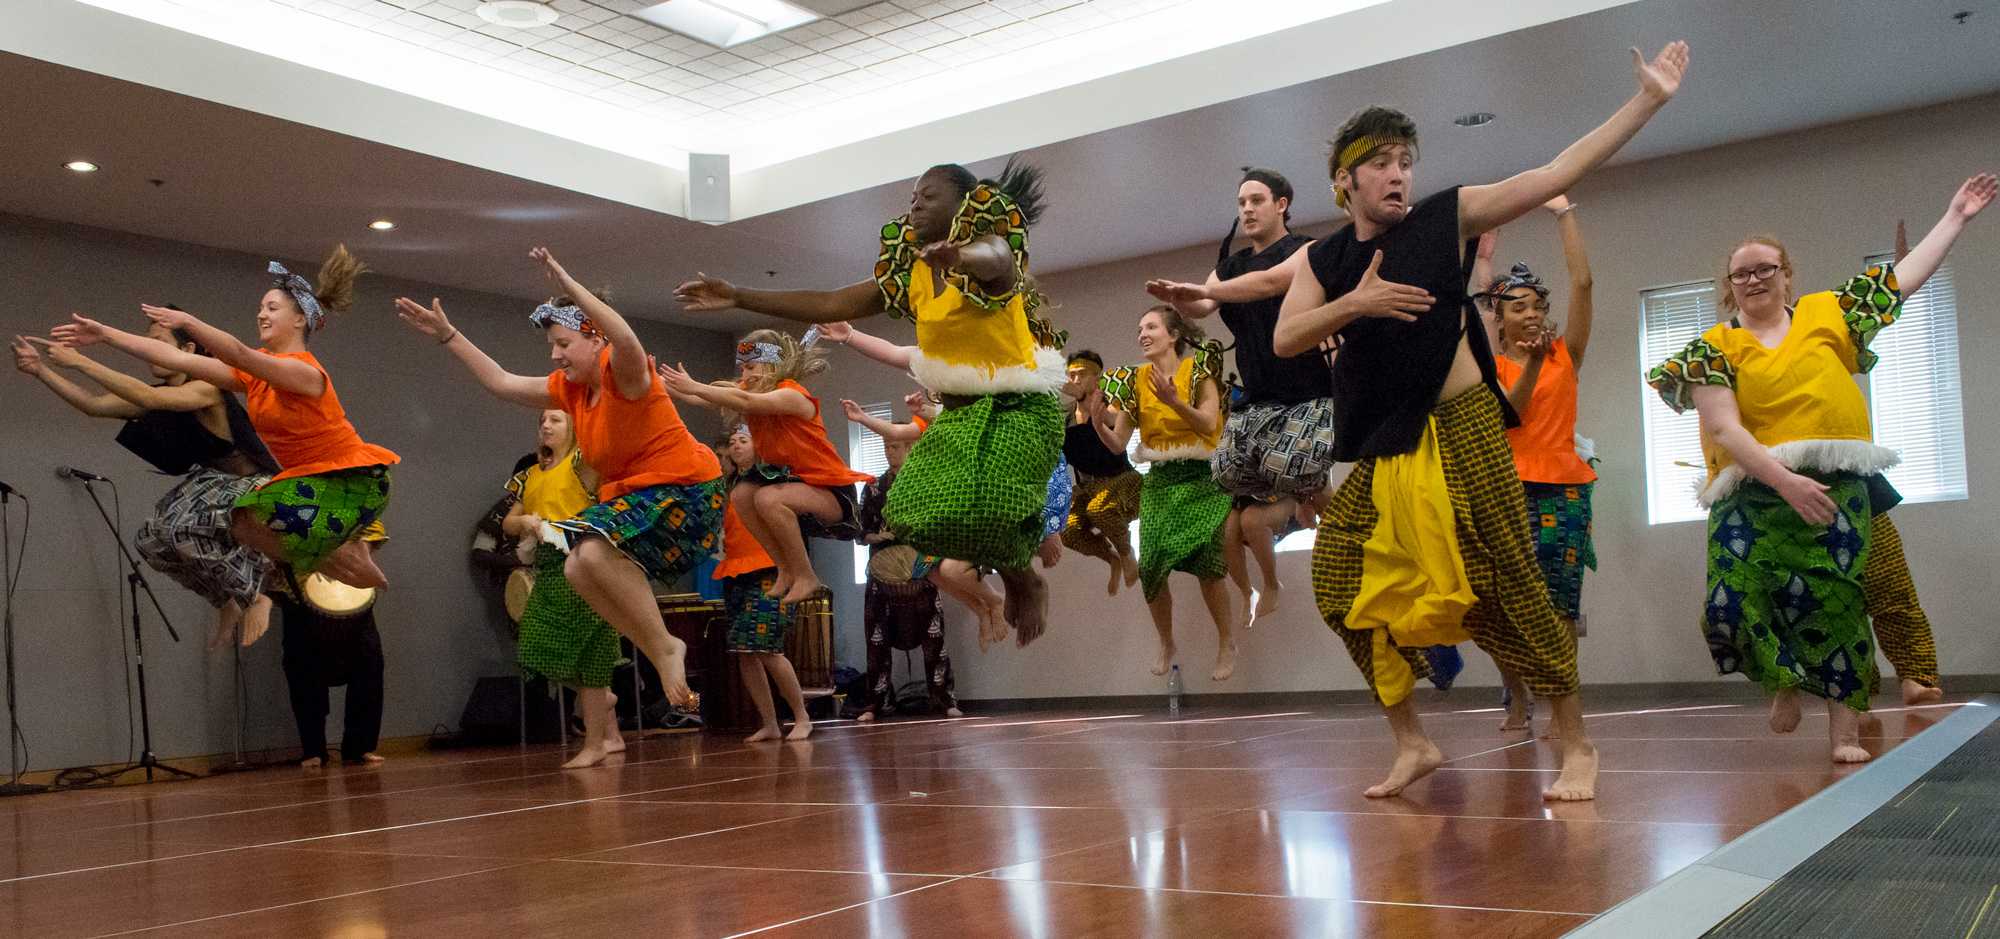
[1545, 443]
[632, 444]
[307, 436]
[783, 440]
[741, 554]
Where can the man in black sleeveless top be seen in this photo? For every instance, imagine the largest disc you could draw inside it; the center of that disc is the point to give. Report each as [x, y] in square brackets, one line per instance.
[1106, 497]
[1278, 443]
[1417, 407]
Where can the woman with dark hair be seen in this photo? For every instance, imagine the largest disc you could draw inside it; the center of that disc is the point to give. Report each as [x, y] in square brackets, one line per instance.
[322, 512]
[976, 483]
[1794, 490]
[1174, 402]
[185, 427]
[660, 501]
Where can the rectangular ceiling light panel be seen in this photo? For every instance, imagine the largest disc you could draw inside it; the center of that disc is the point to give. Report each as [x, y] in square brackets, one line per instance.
[725, 23]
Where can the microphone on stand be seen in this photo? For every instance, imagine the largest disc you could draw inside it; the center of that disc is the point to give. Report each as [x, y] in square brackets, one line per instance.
[71, 472]
[6, 490]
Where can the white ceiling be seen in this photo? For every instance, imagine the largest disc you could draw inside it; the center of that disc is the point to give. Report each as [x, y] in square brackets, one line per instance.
[246, 181]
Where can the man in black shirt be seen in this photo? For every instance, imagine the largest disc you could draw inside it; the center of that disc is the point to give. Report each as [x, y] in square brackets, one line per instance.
[1417, 407]
[1278, 443]
[1106, 498]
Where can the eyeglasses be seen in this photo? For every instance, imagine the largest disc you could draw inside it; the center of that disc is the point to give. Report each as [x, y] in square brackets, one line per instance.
[1760, 272]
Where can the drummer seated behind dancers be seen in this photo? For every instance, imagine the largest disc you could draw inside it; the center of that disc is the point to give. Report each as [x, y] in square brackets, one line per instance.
[758, 623]
[562, 639]
[803, 488]
[184, 427]
[898, 612]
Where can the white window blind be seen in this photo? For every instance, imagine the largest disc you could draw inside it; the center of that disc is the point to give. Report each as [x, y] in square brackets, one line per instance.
[864, 454]
[1914, 401]
[1670, 318]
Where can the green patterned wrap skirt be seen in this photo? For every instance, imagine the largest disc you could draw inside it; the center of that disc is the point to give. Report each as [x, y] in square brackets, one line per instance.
[1786, 606]
[562, 638]
[975, 484]
[1181, 514]
[314, 515]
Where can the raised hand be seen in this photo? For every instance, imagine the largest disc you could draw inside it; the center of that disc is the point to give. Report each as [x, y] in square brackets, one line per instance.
[429, 320]
[1095, 405]
[1387, 299]
[1176, 292]
[838, 332]
[705, 294]
[1661, 78]
[1974, 196]
[54, 353]
[550, 266]
[677, 378]
[1163, 387]
[917, 402]
[26, 359]
[1489, 243]
[940, 255]
[852, 410]
[167, 316]
[1535, 344]
[81, 330]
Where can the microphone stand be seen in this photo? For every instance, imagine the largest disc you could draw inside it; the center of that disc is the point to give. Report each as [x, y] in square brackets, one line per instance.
[135, 581]
[14, 786]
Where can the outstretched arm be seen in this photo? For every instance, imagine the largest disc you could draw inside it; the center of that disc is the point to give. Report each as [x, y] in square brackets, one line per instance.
[29, 360]
[1248, 288]
[705, 294]
[525, 390]
[83, 331]
[985, 259]
[1190, 299]
[887, 430]
[1923, 260]
[1723, 423]
[191, 395]
[630, 368]
[781, 401]
[1484, 208]
[1576, 333]
[289, 375]
[874, 347]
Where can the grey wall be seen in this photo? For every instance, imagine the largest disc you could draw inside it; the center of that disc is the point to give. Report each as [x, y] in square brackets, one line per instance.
[457, 446]
[1833, 194]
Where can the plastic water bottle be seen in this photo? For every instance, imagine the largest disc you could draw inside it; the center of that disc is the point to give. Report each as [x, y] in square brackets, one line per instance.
[1174, 692]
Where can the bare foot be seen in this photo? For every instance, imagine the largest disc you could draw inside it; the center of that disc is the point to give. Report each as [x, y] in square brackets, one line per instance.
[780, 585]
[769, 732]
[993, 627]
[1029, 611]
[865, 717]
[1166, 659]
[1520, 713]
[227, 617]
[804, 588]
[1117, 577]
[1225, 662]
[614, 742]
[673, 674]
[256, 620]
[369, 759]
[800, 730]
[588, 756]
[1915, 693]
[1578, 782]
[953, 712]
[311, 762]
[1267, 600]
[1131, 566]
[1844, 733]
[1412, 764]
[353, 564]
[1785, 712]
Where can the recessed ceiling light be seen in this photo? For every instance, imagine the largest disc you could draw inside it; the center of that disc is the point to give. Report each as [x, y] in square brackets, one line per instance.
[518, 14]
[726, 23]
[1475, 119]
[80, 166]
[382, 224]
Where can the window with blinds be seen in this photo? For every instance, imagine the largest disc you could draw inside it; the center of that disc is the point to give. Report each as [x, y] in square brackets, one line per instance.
[1914, 400]
[864, 454]
[1670, 318]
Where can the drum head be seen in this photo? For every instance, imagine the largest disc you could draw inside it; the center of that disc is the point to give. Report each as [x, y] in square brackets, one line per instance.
[520, 583]
[893, 564]
[332, 598]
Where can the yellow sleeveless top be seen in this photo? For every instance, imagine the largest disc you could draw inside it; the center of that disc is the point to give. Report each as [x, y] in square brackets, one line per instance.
[1163, 433]
[556, 494]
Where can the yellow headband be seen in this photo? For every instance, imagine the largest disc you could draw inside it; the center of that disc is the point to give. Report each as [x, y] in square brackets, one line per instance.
[1352, 154]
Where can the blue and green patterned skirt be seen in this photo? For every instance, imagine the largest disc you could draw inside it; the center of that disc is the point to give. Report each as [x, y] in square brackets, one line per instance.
[664, 529]
[314, 515]
[1559, 525]
[1786, 605]
[756, 621]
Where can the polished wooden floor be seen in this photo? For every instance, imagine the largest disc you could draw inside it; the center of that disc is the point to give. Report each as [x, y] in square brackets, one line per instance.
[1059, 824]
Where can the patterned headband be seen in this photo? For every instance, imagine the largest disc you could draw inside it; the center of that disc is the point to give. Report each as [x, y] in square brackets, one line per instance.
[743, 429]
[570, 315]
[747, 352]
[1520, 276]
[302, 294]
[1357, 151]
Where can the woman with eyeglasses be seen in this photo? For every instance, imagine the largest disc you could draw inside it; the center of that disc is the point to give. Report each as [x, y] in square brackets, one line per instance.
[1538, 368]
[1794, 471]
